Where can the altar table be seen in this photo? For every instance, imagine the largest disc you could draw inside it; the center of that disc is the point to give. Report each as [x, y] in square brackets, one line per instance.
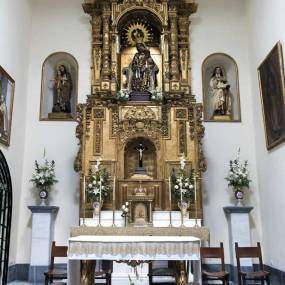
[125, 244]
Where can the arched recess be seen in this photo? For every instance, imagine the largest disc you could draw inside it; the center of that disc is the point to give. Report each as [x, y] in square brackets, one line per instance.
[5, 217]
[131, 157]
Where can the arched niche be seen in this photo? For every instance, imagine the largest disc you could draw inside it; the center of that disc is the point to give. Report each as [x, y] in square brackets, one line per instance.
[152, 28]
[49, 73]
[230, 72]
[131, 157]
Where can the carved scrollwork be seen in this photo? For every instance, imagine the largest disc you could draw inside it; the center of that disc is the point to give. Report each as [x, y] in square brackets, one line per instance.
[140, 114]
[79, 134]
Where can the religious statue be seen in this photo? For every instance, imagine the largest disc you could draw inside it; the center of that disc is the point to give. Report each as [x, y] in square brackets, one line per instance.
[140, 148]
[141, 75]
[219, 88]
[62, 90]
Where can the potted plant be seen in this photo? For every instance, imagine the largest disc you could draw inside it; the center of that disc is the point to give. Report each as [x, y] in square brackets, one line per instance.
[182, 186]
[238, 177]
[44, 178]
[98, 187]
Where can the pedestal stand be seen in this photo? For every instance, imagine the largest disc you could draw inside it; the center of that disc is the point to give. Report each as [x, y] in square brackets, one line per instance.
[239, 230]
[42, 236]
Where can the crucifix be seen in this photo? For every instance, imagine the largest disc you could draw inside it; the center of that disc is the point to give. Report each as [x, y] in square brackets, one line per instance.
[140, 148]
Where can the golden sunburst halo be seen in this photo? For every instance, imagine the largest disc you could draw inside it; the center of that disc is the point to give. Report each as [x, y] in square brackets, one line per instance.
[137, 32]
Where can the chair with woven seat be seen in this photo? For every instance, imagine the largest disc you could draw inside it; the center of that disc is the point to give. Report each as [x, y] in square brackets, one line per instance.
[251, 252]
[53, 273]
[162, 272]
[214, 276]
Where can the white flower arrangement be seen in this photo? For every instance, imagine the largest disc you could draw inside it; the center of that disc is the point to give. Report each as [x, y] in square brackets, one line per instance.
[98, 181]
[123, 95]
[125, 209]
[182, 184]
[238, 176]
[44, 176]
[156, 95]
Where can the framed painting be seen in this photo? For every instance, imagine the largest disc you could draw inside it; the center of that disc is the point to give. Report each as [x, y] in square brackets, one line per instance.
[7, 87]
[221, 96]
[272, 90]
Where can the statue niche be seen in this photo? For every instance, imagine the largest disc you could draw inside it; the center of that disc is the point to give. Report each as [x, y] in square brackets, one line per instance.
[140, 58]
[140, 159]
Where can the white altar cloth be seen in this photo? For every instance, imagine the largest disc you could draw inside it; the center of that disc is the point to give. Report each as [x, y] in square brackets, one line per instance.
[134, 248]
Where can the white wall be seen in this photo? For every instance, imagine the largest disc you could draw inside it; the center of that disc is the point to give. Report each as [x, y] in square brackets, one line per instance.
[14, 58]
[57, 26]
[221, 26]
[266, 22]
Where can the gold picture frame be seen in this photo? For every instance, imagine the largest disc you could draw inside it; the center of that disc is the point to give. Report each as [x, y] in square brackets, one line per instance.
[272, 93]
[7, 90]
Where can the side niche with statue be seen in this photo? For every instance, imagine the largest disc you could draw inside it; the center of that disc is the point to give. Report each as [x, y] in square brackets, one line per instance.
[140, 117]
[221, 89]
[59, 87]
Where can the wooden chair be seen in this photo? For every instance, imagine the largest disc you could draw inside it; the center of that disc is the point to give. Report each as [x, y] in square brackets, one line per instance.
[244, 276]
[162, 271]
[53, 273]
[209, 276]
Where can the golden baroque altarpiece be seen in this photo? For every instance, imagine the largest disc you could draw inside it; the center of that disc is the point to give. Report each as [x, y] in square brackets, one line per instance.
[140, 94]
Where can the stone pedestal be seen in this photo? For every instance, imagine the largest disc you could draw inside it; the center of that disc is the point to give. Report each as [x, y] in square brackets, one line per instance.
[42, 236]
[239, 230]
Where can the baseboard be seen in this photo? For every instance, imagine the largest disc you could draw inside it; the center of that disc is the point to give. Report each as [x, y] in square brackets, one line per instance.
[25, 272]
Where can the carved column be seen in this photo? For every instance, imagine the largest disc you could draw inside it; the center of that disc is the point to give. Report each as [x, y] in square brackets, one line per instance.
[106, 69]
[96, 48]
[87, 272]
[173, 46]
[183, 24]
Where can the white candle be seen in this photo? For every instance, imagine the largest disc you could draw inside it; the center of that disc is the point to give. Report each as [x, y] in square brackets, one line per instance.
[100, 191]
[114, 190]
[169, 183]
[195, 188]
[181, 189]
[84, 185]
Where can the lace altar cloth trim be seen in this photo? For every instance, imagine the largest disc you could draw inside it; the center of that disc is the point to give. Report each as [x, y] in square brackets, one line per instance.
[201, 233]
[179, 250]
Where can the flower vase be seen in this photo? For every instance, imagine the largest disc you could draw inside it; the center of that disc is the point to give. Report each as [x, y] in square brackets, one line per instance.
[43, 194]
[239, 195]
[183, 206]
[96, 209]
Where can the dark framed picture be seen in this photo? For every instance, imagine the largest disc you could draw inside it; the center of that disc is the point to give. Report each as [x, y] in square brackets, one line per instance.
[7, 87]
[272, 89]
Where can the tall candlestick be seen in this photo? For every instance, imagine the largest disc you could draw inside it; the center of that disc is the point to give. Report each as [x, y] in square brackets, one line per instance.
[170, 203]
[84, 198]
[195, 188]
[181, 185]
[114, 201]
[100, 201]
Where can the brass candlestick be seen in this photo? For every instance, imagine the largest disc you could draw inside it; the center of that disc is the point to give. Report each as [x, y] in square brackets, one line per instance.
[170, 203]
[84, 200]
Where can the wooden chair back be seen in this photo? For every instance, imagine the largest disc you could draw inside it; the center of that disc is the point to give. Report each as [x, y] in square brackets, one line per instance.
[57, 251]
[213, 252]
[249, 252]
